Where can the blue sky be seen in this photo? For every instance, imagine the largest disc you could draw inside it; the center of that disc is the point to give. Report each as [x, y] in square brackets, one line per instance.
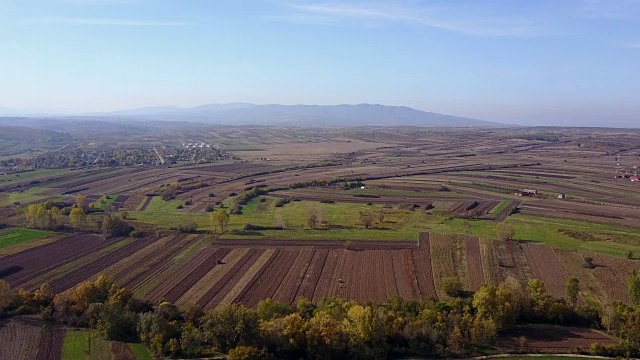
[532, 62]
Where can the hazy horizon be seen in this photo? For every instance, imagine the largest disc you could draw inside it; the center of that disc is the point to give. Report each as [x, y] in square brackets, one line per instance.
[544, 63]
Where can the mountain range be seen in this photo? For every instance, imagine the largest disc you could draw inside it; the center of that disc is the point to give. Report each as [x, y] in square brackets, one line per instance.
[292, 115]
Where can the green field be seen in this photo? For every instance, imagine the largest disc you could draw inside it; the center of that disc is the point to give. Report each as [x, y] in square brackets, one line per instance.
[12, 237]
[140, 351]
[76, 345]
[104, 202]
[498, 209]
[342, 221]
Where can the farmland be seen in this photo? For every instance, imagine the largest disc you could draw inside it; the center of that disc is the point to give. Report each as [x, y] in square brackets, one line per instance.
[329, 214]
[29, 338]
[196, 269]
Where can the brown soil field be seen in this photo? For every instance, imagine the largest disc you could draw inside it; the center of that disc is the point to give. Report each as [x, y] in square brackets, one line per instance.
[189, 269]
[545, 266]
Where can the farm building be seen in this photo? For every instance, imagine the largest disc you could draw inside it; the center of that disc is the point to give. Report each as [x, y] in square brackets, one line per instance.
[526, 192]
[562, 196]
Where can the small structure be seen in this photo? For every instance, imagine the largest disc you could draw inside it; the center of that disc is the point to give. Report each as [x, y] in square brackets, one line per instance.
[635, 178]
[526, 192]
[562, 196]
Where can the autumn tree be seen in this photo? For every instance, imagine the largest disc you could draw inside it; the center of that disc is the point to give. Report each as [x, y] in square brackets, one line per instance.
[81, 202]
[53, 217]
[113, 226]
[367, 219]
[220, 219]
[571, 290]
[37, 215]
[312, 221]
[77, 217]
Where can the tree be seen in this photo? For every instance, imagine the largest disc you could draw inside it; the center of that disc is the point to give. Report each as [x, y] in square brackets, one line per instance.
[505, 231]
[37, 215]
[77, 217]
[113, 226]
[81, 202]
[451, 286]
[571, 291]
[312, 221]
[247, 353]
[366, 219]
[53, 217]
[634, 287]
[220, 219]
[230, 326]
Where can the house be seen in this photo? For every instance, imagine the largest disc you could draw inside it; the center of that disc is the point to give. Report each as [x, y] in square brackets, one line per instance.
[562, 196]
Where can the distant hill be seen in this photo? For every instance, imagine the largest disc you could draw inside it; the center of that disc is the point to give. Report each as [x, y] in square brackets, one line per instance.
[302, 115]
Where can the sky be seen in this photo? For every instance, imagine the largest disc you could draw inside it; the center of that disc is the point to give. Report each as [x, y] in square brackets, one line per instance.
[543, 62]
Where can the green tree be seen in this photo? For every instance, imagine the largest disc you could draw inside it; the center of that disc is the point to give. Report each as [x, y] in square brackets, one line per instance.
[571, 290]
[77, 217]
[220, 219]
[230, 326]
[634, 287]
[451, 286]
[268, 309]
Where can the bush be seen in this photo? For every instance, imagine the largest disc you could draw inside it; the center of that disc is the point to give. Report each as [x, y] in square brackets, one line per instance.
[451, 286]
[233, 194]
[188, 227]
[188, 202]
[16, 203]
[138, 234]
[247, 353]
[212, 195]
[113, 226]
[180, 207]
[210, 208]
[327, 201]
[253, 227]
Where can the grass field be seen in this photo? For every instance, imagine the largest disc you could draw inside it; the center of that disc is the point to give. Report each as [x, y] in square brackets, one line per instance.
[498, 209]
[140, 351]
[76, 345]
[104, 202]
[342, 221]
[12, 237]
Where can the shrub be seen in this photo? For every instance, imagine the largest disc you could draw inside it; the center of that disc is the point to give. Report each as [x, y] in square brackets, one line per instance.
[210, 208]
[233, 194]
[180, 207]
[253, 227]
[138, 234]
[188, 227]
[451, 286]
[327, 201]
[212, 195]
[188, 202]
[16, 203]
[247, 353]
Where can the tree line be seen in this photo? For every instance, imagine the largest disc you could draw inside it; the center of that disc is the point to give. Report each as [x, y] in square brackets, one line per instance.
[331, 329]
